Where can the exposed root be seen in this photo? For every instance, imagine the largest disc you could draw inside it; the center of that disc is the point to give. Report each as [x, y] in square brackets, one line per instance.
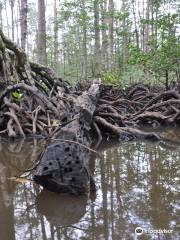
[14, 117]
[43, 100]
[32, 90]
[99, 135]
[122, 113]
[35, 119]
[10, 130]
[126, 133]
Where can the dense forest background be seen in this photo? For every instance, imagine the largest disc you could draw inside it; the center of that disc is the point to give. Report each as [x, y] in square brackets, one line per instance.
[121, 41]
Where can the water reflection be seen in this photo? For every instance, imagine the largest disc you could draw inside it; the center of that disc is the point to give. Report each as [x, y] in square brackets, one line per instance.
[14, 156]
[59, 209]
[138, 185]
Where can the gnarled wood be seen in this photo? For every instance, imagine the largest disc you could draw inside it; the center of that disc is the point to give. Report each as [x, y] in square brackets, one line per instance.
[64, 165]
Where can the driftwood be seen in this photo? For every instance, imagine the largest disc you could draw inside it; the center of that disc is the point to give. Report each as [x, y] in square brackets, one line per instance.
[64, 163]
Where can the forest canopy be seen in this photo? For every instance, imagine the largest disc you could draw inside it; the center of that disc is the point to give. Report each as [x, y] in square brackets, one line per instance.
[122, 42]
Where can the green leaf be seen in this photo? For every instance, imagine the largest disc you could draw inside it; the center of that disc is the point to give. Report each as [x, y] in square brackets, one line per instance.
[17, 95]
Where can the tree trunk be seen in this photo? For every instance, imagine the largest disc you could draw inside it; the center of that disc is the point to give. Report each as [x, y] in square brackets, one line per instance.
[135, 23]
[97, 48]
[85, 58]
[111, 35]
[23, 23]
[1, 20]
[41, 34]
[7, 22]
[12, 17]
[146, 30]
[125, 38]
[143, 29]
[55, 37]
[104, 60]
[17, 19]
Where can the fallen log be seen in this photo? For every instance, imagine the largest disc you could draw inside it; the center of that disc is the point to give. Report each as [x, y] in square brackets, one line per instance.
[63, 166]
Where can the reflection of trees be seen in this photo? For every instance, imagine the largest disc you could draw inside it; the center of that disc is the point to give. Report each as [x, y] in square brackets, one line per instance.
[148, 186]
[13, 156]
[6, 217]
[104, 181]
[138, 187]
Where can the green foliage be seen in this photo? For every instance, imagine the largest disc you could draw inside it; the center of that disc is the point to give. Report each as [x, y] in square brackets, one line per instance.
[17, 95]
[137, 56]
[163, 51]
[111, 78]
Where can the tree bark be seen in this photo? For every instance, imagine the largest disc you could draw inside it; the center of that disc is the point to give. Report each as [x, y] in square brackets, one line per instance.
[85, 57]
[125, 38]
[1, 20]
[103, 5]
[23, 22]
[41, 34]
[64, 165]
[12, 18]
[146, 30]
[135, 24]
[97, 47]
[55, 37]
[7, 22]
[111, 34]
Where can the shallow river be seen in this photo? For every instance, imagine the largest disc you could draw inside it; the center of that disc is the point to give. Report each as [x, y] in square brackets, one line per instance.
[138, 185]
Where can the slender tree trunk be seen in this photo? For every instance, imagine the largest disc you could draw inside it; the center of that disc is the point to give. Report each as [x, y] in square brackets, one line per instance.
[23, 22]
[6, 10]
[152, 19]
[41, 34]
[78, 39]
[117, 48]
[97, 48]
[12, 17]
[1, 19]
[85, 58]
[55, 38]
[146, 30]
[64, 63]
[156, 27]
[139, 26]
[17, 22]
[104, 55]
[143, 28]
[125, 38]
[135, 23]
[111, 34]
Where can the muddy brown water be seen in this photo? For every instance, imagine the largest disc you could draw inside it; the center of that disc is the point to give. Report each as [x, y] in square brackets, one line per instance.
[138, 185]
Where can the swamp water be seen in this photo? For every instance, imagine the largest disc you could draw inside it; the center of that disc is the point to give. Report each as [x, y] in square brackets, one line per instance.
[138, 185]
